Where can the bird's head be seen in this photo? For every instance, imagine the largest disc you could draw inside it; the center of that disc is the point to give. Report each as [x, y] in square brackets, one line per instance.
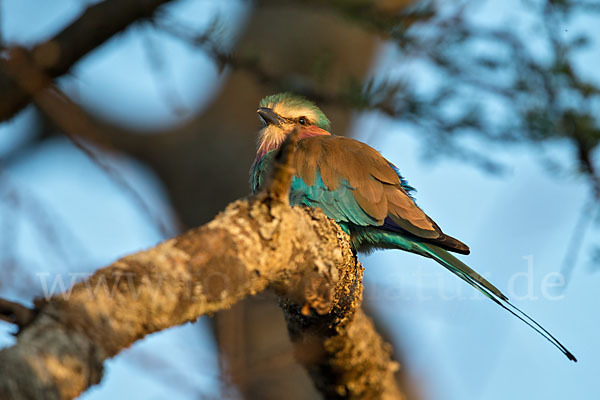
[281, 113]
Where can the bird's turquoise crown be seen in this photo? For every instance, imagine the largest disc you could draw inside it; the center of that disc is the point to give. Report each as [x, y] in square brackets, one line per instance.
[296, 101]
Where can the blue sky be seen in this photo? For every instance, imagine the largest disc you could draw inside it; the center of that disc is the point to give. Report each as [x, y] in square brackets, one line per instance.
[457, 344]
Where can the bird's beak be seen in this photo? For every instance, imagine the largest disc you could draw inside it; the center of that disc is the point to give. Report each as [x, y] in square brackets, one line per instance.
[268, 116]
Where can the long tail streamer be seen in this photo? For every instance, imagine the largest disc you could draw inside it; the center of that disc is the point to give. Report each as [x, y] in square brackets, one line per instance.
[480, 283]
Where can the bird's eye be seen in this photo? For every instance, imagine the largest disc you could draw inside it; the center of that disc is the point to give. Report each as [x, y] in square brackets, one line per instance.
[302, 121]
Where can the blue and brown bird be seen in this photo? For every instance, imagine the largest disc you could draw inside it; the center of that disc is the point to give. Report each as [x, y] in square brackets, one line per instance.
[362, 191]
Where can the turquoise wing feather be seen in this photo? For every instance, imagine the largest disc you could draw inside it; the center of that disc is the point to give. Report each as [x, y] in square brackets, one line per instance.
[338, 204]
[367, 232]
[341, 206]
[259, 171]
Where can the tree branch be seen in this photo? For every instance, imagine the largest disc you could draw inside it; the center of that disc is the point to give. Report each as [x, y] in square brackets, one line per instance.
[57, 55]
[71, 119]
[15, 313]
[255, 244]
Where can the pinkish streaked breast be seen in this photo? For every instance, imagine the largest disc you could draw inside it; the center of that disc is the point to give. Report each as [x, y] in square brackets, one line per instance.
[271, 142]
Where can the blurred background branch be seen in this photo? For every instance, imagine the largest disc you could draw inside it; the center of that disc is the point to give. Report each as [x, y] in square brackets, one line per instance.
[469, 83]
[57, 55]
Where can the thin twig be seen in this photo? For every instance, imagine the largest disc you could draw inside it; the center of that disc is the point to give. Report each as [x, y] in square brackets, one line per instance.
[45, 222]
[73, 122]
[586, 218]
[163, 79]
[283, 170]
[16, 313]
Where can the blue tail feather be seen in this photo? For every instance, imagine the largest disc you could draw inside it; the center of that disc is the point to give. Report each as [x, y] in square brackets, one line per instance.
[478, 282]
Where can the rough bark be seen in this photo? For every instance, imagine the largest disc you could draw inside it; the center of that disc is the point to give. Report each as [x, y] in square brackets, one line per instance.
[252, 245]
[214, 142]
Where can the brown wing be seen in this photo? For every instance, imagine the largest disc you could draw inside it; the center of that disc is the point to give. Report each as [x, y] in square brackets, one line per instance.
[375, 185]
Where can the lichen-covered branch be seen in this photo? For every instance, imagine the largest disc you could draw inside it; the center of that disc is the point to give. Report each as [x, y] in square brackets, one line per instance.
[253, 245]
[341, 350]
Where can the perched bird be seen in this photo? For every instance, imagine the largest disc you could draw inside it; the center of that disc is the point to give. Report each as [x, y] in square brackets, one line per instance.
[362, 191]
